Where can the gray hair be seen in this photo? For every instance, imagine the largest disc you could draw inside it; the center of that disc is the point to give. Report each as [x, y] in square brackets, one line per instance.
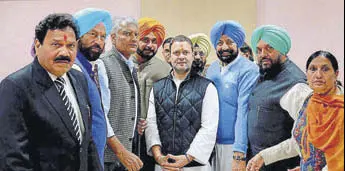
[121, 22]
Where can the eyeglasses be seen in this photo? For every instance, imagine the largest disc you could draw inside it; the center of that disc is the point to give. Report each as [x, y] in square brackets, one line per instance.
[95, 35]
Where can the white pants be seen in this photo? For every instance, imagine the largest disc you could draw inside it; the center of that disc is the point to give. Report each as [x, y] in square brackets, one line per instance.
[223, 159]
[200, 168]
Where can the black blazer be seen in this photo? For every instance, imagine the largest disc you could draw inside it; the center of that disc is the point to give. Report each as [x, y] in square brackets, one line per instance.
[35, 130]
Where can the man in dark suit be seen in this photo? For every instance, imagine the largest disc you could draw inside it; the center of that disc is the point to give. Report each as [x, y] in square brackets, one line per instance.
[44, 107]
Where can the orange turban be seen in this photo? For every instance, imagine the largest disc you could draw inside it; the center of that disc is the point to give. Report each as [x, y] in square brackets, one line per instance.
[148, 25]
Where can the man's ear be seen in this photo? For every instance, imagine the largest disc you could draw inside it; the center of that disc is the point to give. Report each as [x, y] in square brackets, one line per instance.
[37, 44]
[113, 37]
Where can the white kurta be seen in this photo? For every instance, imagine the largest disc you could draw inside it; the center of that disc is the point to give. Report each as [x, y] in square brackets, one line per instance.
[204, 141]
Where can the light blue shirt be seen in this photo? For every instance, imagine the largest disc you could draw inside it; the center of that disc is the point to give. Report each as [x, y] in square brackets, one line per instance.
[234, 83]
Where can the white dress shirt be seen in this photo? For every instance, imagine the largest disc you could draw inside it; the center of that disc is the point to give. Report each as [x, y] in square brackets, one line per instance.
[72, 98]
[204, 141]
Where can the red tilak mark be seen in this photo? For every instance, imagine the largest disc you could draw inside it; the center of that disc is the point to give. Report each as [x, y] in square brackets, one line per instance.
[65, 37]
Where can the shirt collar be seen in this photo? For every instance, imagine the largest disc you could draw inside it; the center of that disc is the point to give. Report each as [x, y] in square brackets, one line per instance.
[53, 77]
[129, 61]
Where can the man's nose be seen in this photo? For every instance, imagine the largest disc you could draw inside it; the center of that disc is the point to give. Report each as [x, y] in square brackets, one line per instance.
[263, 52]
[63, 51]
[134, 38]
[197, 56]
[225, 46]
[98, 40]
[150, 44]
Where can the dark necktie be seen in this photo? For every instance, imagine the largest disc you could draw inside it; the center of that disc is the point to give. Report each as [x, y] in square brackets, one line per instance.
[60, 83]
[94, 76]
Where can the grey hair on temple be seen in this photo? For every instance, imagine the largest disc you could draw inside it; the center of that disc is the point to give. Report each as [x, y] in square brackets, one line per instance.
[121, 22]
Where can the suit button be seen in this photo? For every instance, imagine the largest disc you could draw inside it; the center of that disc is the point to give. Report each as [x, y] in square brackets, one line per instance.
[130, 139]
[132, 97]
[133, 118]
[81, 150]
[252, 94]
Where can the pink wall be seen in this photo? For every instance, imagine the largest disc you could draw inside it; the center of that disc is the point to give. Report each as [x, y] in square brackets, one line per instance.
[19, 18]
[313, 25]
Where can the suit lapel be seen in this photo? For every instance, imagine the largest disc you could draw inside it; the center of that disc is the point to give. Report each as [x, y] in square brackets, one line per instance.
[52, 96]
[56, 102]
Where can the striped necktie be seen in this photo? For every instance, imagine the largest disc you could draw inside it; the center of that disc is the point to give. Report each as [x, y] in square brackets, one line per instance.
[60, 83]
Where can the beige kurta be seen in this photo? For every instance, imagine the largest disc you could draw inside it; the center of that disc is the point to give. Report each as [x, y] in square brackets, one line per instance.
[148, 73]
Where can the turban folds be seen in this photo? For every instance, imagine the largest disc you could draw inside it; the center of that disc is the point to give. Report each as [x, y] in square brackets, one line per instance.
[232, 29]
[88, 18]
[202, 41]
[275, 36]
[148, 25]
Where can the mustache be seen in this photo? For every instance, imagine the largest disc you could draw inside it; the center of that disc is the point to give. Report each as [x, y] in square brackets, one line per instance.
[63, 58]
[265, 58]
[96, 46]
[148, 49]
[223, 51]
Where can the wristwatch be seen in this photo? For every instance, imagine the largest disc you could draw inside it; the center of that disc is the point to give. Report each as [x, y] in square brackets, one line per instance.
[239, 158]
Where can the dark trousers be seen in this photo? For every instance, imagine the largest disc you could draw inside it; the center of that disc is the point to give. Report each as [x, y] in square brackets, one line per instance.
[149, 162]
[117, 166]
[282, 165]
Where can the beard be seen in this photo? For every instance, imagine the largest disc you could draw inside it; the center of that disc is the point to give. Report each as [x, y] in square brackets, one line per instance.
[148, 56]
[228, 58]
[198, 66]
[89, 53]
[271, 72]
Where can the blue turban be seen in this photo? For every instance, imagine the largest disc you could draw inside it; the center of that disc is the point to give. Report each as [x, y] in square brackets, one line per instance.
[88, 18]
[232, 29]
[275, 36]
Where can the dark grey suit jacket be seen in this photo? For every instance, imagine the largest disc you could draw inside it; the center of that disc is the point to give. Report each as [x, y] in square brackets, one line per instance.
[35, 130]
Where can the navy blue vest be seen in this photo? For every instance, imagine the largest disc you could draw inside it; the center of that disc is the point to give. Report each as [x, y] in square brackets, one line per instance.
[268, 123]
[179, 119]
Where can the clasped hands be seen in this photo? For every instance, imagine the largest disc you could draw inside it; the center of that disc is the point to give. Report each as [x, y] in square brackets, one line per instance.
[173, 163]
